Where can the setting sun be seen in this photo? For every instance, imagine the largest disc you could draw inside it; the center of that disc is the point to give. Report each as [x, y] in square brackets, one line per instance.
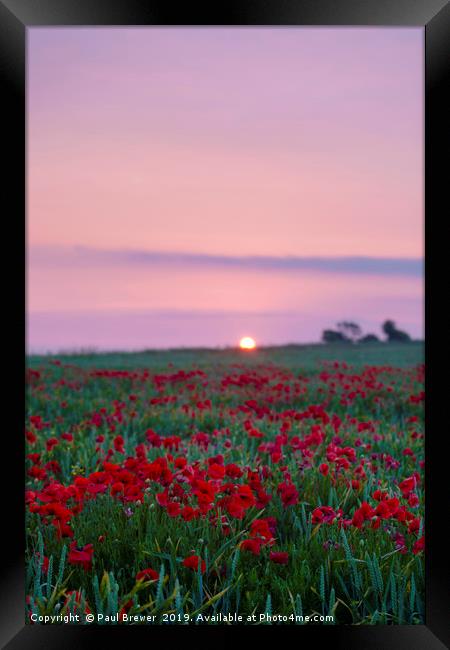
[247, 343]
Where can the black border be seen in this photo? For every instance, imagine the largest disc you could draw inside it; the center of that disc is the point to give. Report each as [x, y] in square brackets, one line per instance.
[434, 15]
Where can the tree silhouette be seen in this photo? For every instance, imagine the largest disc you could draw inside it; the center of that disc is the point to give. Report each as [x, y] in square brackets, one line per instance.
[369, 338]
[349, 330]
[332, 336]
[393, 334]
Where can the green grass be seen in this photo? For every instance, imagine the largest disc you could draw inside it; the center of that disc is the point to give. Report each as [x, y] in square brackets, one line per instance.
[289, 356]
[356, 574]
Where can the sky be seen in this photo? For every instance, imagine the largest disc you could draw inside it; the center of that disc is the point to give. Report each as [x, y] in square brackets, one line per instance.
[189, 186]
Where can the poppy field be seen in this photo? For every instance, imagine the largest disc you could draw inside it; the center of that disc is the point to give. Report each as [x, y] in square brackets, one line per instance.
[198, 487]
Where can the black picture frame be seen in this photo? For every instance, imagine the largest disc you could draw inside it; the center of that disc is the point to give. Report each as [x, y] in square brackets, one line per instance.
[434, 15]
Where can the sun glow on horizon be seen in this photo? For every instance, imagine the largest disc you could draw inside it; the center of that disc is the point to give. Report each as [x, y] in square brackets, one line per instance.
[247, 343]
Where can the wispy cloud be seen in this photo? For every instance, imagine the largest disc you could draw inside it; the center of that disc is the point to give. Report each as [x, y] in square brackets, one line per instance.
[60, 256]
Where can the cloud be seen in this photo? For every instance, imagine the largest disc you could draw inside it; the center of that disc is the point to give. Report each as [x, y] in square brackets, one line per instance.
[60, 256]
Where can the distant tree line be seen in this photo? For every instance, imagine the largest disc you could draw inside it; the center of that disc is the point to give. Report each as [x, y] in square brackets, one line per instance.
[349, 332]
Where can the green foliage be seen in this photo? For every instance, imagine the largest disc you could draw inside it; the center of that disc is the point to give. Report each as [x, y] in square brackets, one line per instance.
[357, 576]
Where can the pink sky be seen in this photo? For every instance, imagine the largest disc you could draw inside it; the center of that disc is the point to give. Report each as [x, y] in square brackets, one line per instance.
[222, 146]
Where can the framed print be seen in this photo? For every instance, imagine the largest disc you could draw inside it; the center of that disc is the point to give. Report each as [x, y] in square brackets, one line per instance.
[226, 222]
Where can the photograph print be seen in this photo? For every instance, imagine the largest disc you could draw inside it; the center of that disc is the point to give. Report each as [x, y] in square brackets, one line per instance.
[225, 326]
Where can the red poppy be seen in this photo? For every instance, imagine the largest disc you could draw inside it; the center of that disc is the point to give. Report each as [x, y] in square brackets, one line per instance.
[288, 494]
[363, 513]
[216, 471]
[117, 488]
[147, 574]
[31, 437]
[192, 562]
[324, 469]
[118, 444]
[261, 528]
[279, 557]
[51, 442]
[408, 485]
[173, 509]
[419, 545]
[81, 556]
[252, 545]
[324, 515]
[233, 471]
[188, 513]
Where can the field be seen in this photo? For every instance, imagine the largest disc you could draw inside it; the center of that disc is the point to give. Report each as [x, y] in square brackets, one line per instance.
[196, 486]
